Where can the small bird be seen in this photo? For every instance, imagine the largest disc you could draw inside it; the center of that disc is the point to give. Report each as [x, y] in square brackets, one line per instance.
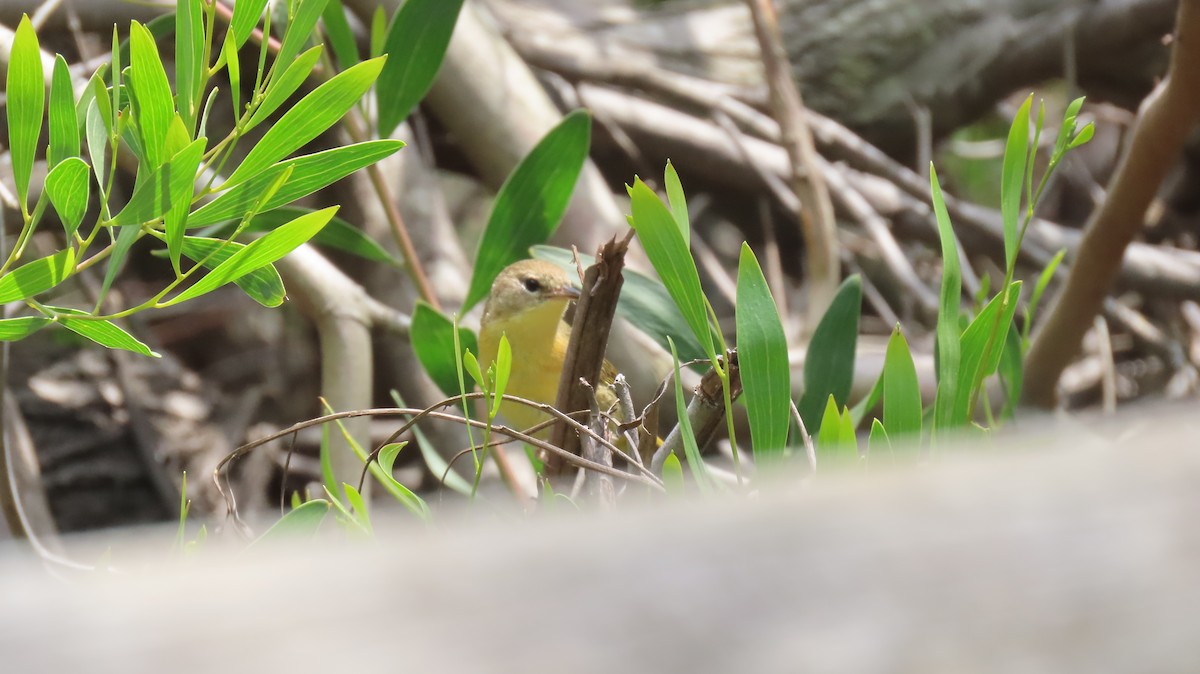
[526, 304]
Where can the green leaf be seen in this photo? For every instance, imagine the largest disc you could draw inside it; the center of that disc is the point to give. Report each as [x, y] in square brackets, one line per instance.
[13, 329]
[690, 449]
[829, 437]
[1039, 288]
[189, 59]
[644, 302]
[878, 439]
[415, 44]
[948, 347]
[124, 239]
[159, 191]
[677, 202]
[263, 285]
[981, 348]
[326, 458]
[762, 359]
[300, 28]
[433, 461]
[1085, 134]
[901, 392]
[672, 474]
[829, 363]
[1067, 129]
[38, 276]
[867, 404]
[233, 69]
[309, 173]
[104, 333]
[337, 234]
[282, 87]
[68, 186]
[531, 202]
[97, 140]
[432, 339]
[302, 521]
[311, 116]
[246, 15]
[404, 495]
[258, 254]
[341, 37]
[1010, 367]
[1016, 153]
[503, 367]
[153, 106]
[64, 127]
[26, 97]
[379, 27]
[669, 254]
[360, 506]
[388, 453]
[180, 187]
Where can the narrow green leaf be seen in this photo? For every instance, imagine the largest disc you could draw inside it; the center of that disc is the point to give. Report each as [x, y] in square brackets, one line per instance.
[878, 440]
[1010, 368]
[124, 239]
[1067, 129]
[1039, 288]
[379, 27]
[300, 28]
[829, 363]
[672, 474]
[669, 254]
[282, 87]
[1016, 153]
[404, 495]
[189, 59]
[503, 367]
[644, 302]
[302, 521]
[432, 339]
[829, 437]
[388, 453]
[901, 392]
[258, 254]
[690, 449]
[326, 458]
[341, 37]
[64, 127]
[263, 285]
[38, 276]
[309, 173]
[233, 69]
[678, 203]
[97, 141]
[531, 202]
[471, 365]
[762, 359]
[14, 329]
[315, 113]
[180, 191]
[338, 234]
[948, 348]
[161, 190]
[360, 506]
[26, 96]
[415, 44]
[981, 348]
[246, 15]
[865, 406]
[152, 103]
[68, 185]
[1085, 134]
[106, 334]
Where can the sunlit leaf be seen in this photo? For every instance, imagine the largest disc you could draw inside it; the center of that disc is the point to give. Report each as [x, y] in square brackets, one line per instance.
[341, 37]
[284, 85]
[68, 186]
[263, 285]
[103, 332]
[64, 126]
[14, 329]
[38, 276]
[152, 102]
[189, 59]
[901, 391]
[25, 102]
[300, 27]
[948, 348]
[677, 202]
[1016, 153]
[762, 359]
[302, 521]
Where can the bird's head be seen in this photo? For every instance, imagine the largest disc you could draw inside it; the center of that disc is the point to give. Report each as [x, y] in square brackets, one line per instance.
[527, 286]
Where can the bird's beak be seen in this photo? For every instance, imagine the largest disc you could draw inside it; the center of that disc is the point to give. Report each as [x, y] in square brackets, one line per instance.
[567, 292]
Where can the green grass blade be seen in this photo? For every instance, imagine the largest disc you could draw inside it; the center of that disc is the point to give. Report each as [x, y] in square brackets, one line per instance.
[1012, 178]
[878, 440]
[948, 347]
[1039, 288]
[339, 34]
[302, 521]
[64, 126]
[690, 449]
[531, 202]
[901, 391]
[68, 185]
[678, 203]
[258, 254]
[762, 359]
[981, 348]
[829, 365]
[432, 339]
[310, 117]
[309, 173]
[668, 252]
[415, 43]
[26, 96]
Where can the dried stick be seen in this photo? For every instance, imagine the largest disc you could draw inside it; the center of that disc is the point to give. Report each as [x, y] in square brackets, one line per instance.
[1166, 117]
[816, 210]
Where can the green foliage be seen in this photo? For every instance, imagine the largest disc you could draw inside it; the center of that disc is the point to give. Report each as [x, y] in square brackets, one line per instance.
[25, 97]
[829, 366]
[531, 202]
[762, 359]
[416, 40]
[432, 339]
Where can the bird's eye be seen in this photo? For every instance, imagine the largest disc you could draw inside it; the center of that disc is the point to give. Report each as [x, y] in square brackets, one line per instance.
[532, 285]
